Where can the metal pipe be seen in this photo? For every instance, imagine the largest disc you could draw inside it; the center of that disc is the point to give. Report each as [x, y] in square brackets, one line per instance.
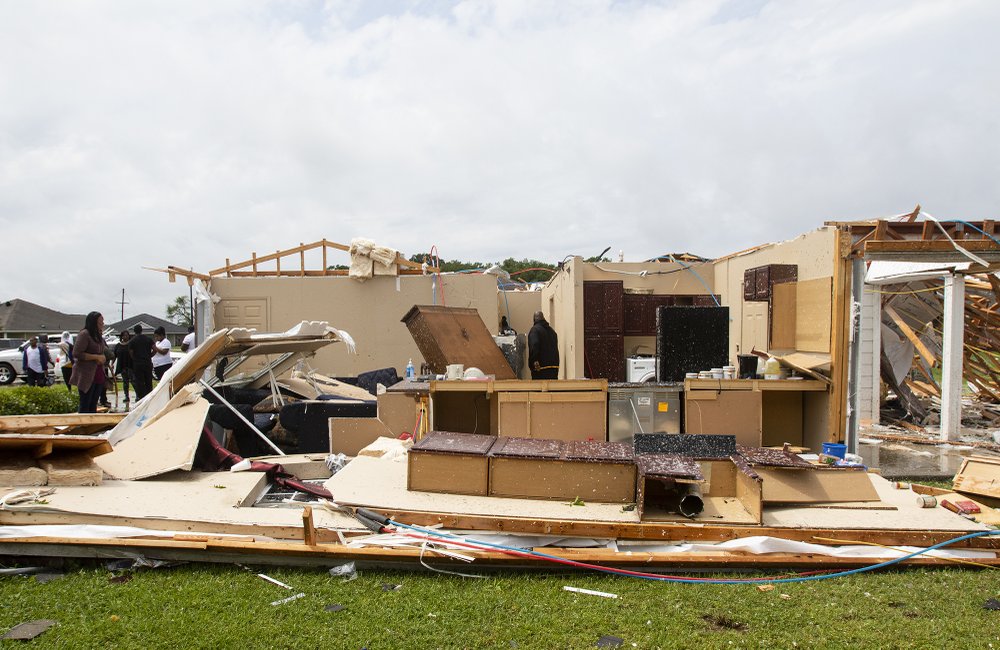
[240, 416]
[691, 504]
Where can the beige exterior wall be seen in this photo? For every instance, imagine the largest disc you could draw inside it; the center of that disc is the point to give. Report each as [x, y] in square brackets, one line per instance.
[813, 252]
[519, 307]
[370, 311]
[562, 300]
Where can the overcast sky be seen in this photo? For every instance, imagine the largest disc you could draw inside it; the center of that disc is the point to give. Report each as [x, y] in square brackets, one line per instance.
[140, 134]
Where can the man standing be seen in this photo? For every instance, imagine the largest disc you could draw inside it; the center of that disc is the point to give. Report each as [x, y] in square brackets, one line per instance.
[35, 361]
[140, 348]
[543, 349]
[189, 343]
[123, 363]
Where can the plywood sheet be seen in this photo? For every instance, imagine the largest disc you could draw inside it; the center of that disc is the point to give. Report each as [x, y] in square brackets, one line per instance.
[813, 314]
[449, 335]
[167, 444]
[788, 485]
[783, 313]
[185, 501]
[907, 515]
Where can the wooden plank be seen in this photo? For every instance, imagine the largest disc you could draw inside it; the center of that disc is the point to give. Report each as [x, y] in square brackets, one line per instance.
[14, 423]
[52, 443]
[291, 554]
[911, 335]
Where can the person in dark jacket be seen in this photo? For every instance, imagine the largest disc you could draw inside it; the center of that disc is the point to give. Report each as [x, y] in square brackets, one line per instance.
[35, 361]
[89, 373]
[543, 349]
[140, 348]
[123, 362]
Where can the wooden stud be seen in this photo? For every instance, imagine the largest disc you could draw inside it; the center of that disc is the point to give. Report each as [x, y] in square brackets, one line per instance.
[308, 528]
[302, 259]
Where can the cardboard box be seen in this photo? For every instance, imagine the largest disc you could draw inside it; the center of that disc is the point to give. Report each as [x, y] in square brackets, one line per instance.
[455, 463]
[593, 471]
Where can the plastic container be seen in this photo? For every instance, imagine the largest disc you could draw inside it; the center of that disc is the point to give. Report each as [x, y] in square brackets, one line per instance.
[772, 370]
[835, 449]
[410, 372]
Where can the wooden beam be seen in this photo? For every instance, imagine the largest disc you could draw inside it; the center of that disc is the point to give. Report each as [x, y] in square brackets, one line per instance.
[43, 449]
[308, 528]
[925, 354]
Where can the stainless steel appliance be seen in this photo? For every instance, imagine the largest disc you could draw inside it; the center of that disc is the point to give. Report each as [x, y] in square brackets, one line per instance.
[643, 408]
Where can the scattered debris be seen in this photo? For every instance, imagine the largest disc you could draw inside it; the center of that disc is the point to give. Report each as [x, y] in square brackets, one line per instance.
[28, 630]
[120, 579]
[387, 587]
[589, 592]
[335, 607]
[289, 599]
[992, 604]
[608, 641]
[765, 587]
[346, 570]
[44, 578]
[273, 581]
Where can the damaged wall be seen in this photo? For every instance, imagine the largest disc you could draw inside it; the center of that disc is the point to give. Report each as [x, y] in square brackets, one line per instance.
[814, 253]
[370, 311]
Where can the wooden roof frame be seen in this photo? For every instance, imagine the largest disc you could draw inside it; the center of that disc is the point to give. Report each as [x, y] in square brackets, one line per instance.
[249, 268]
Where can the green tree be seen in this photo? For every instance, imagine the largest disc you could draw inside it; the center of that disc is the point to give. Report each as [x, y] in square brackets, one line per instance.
[179, 312]
[528, 270]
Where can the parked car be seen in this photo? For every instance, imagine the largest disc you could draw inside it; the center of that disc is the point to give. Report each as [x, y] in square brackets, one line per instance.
[11, 362]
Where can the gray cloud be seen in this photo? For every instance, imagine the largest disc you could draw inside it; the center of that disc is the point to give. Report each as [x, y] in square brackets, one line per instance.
[148, 134]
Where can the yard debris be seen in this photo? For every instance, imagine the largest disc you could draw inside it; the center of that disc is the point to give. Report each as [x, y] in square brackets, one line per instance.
[387, 587]
[120, 579]
[335, 607]
[992, 604]
[44, 578]
[589, 592]
[28, 630]
[289, 599]
[608, 641]
[765, 587]
[347, 570]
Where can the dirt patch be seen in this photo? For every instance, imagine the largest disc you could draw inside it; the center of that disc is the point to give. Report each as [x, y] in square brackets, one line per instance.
[724, 623]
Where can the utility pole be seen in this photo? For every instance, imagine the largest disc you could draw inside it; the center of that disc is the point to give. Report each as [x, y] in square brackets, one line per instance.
[122, 302]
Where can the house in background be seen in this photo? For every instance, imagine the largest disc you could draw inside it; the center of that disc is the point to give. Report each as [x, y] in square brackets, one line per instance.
[20, 319]
[175, 333]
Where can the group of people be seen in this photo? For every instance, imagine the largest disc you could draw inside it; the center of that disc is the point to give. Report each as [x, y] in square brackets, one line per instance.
[136, 358]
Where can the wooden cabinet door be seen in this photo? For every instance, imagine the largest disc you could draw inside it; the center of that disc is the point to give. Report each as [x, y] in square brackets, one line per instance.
[603, 307]
[604, 357]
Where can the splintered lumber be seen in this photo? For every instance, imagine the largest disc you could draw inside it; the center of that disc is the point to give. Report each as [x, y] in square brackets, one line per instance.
[63, 423]
[44, 445]
[71, 469]
[21, 470]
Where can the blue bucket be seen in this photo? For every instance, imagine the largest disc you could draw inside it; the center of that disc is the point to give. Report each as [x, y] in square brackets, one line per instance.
[834, 449]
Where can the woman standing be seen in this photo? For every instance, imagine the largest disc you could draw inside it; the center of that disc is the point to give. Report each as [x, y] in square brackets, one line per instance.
[161, 356]
[89, 374]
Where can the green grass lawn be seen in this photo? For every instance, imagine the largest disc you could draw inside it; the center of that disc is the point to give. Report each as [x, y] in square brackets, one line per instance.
[212, 606]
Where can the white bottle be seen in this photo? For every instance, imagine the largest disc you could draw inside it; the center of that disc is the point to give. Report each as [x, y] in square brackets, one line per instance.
[772, 369]
[410, 373]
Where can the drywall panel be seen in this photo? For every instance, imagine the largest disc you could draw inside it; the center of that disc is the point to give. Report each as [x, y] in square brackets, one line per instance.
[813, 253]
[167, 444]
[783, 310]
[369, 311]
[398, 411]
[813, 314]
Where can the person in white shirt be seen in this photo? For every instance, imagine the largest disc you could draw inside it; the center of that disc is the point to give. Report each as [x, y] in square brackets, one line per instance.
[161, 358]
[36, 362]
[189, 343]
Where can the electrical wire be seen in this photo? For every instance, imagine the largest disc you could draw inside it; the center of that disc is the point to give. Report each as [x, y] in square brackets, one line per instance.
[974, 227]
[667, 578]
[688, 267]
[957, 560]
